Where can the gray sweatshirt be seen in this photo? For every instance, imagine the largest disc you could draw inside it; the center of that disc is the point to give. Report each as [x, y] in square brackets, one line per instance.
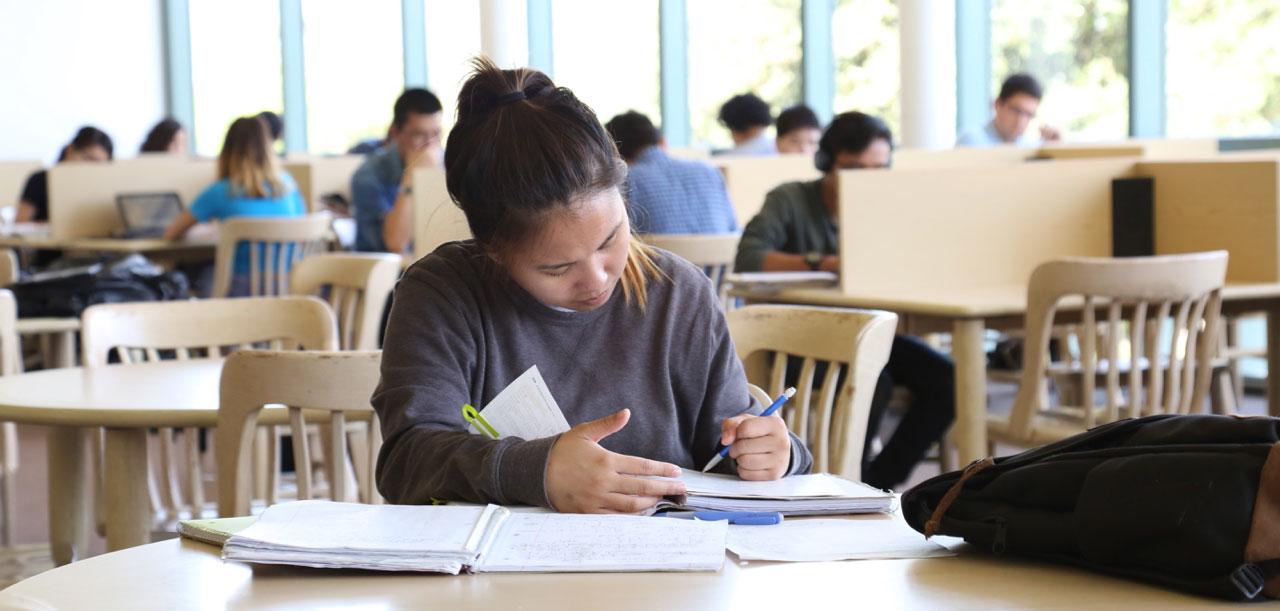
[461, 330]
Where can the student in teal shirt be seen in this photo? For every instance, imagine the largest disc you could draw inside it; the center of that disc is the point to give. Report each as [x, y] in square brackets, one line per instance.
[250, 184]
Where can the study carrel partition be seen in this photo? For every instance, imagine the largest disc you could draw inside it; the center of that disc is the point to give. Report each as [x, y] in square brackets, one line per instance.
[436, 219]
[749, 178]
[82, 196]
[1147, 149]
[318, 175]
[13, 177]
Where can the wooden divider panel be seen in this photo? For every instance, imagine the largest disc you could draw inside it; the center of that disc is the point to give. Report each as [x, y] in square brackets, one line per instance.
[749, 179]
[320, 175]
[13, 177]
[436, 219]
[82, 196]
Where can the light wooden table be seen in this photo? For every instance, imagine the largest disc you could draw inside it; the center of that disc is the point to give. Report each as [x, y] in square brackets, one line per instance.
[182, 574]
[126, 400]
[966, 312]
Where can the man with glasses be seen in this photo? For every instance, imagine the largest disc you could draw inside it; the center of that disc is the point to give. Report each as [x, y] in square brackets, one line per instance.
[382, 188]
[1015, 108]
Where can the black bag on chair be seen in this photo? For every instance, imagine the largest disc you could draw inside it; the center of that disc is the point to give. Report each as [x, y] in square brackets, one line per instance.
[1188, 502]
[68, 287]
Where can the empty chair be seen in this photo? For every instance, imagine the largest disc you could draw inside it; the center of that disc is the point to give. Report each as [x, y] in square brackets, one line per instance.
[356, 285]
[328, 384]
[714, 253]
[1150, 321]
[851, 345]
[255, 255]
[10, 364]
[141, 332]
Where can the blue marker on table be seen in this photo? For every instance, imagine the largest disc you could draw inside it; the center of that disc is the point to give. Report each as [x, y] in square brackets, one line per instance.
[741, 518]
[777, 404]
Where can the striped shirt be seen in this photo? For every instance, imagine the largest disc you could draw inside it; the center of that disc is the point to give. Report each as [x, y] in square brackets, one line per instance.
[669, 195]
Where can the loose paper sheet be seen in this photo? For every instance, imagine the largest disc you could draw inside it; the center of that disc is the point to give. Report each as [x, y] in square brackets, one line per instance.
[815, 539]
[525, 409]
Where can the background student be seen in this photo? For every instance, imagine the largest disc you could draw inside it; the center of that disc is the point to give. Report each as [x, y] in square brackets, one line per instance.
[168, 136]
[89, 144]
[250, 183]
[798, 130]
[381, 188]
[748, 119]
[275, 129]
[667, 195]
[629, 339]
[796, 230]
[1015, 107]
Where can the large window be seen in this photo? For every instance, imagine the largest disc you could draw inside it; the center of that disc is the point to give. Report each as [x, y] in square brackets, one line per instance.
[738, 47]
[235, 65]
[1223, 67]
[607, 53]
[864, 37]
[453, 38]
[1078, 50]
[354, 66]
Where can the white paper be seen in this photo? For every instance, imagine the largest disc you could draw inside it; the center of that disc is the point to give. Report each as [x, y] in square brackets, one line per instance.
[601, 543]
[524, 409]
[815, 494]
[746, 279]
[811, 540]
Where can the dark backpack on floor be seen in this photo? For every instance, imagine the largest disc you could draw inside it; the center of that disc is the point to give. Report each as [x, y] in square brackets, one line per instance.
[1188, 502]
[68, 287]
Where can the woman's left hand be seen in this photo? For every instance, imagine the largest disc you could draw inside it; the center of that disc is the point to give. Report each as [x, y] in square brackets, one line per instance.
[761, 446]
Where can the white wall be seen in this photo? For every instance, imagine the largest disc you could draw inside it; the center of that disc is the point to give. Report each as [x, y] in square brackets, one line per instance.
[67, 63]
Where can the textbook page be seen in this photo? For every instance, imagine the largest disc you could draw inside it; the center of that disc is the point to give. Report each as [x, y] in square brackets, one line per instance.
[558, 542]
[815, 485]
[818, 539]
[524, 409]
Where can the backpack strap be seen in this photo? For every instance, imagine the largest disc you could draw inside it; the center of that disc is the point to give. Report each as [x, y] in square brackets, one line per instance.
[1251, 579]
[935, 520]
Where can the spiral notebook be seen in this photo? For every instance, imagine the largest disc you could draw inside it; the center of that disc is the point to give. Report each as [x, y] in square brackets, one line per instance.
[461, 538]
[794, 495]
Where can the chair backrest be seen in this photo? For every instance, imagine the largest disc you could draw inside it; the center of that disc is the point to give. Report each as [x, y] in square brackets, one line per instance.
[274, 245]
[853, 346]
[358, 286]
[8, 267]
[328, 383]
[1160, 319]
[714, 253]
[10, 349]
[142, 331]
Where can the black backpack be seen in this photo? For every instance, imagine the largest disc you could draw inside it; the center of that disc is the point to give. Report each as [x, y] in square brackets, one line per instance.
[1188, 502]
[68, 287]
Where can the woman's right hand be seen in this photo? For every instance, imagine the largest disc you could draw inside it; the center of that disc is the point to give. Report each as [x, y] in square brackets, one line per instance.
[583, 477]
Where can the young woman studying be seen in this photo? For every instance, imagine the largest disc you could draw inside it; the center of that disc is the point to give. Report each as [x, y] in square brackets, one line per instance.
[628, 338]
[89, 144]
[250, 183]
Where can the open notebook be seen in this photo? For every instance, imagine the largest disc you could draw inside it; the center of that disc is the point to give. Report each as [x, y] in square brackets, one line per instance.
[452, 539]
[795, 495]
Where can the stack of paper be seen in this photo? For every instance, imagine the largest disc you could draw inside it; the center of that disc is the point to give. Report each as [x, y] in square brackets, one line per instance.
[451, 539]
[814, 540]
[796, 495]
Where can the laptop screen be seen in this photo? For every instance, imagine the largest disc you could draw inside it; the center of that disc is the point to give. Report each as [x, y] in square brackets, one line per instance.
[148, 211]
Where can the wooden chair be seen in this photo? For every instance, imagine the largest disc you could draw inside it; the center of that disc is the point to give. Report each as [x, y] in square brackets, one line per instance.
[1166, 307]
[274, 246]
[141, 332]
[714, 253]
[10, 364]
[358, 286]
[331, 384]
[8, 267]
[852, 344]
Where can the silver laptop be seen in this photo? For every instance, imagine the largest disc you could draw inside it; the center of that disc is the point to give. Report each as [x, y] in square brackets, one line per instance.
[147, 215]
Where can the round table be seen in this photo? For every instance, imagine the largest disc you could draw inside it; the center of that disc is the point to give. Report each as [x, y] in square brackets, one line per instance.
[126, 400]
[181, 574]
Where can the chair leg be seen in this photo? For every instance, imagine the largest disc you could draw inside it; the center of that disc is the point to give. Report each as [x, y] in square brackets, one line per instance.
[1222, 396]
[8, 484]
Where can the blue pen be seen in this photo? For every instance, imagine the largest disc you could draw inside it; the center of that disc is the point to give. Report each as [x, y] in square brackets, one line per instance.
[777, 403]
[742, 518]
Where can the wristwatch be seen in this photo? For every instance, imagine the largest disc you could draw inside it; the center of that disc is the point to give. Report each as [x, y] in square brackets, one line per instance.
[813, 259]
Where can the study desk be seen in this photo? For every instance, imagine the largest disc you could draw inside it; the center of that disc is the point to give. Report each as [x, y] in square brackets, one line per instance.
[200, 243]
[966, 312]
[126, 400]
[182, 574]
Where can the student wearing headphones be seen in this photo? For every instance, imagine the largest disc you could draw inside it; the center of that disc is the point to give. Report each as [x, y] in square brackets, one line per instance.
[630, 339]
[796, 230]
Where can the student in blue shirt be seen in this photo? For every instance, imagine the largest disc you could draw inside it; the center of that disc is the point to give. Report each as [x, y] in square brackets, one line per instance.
[668, 195]
[250, 183]
[748, 118]
[381, 187]
[1015, 107]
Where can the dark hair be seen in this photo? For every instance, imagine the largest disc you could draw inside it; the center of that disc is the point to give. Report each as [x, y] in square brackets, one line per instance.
[850, 132]
[633, 133]
[161, 136]
[797, 117]
[744, 111]
[521, 149]
[416, 100]
[1021, 83]
[275, 125]
[246, 161]
[86, 137]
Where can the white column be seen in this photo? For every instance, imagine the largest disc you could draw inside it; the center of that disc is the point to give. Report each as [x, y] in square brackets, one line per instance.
[927, 37]
[504, 32]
